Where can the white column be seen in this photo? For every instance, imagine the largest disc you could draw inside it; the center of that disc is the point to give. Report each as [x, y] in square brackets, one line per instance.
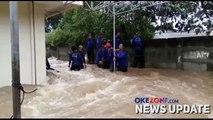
[114, 34]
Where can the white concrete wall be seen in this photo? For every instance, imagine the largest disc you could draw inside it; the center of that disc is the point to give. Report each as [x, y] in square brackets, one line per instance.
[40, 44]
[5, 46]
[25, 43]
[32, 68]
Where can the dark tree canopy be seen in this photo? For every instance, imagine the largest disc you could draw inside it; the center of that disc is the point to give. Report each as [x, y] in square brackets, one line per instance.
[178, 16]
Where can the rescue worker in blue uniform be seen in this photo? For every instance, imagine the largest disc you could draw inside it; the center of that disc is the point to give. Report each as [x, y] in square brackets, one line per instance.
[122, 59]
[90, 45]
[82, 54]
[99, 41]
[137, 43]
[106, 60]
[101, 57]
[110, 56]
[75, 59]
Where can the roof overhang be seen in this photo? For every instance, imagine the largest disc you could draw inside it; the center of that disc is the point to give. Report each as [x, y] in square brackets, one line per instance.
[52, 8]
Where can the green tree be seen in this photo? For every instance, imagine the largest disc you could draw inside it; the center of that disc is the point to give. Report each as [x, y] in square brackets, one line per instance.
[178, 16]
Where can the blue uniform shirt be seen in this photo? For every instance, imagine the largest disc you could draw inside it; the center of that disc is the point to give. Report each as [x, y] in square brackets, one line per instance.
[75, 58]
[82, 55]
[137, 42]
[121, 58]
[90, 44]
[110, 56]
[101, 53]
[99, 42]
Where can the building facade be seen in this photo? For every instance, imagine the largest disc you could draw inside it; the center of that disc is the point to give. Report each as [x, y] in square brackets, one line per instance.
[31, 40]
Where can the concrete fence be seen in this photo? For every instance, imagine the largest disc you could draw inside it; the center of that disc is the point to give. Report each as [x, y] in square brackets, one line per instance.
[185, 53]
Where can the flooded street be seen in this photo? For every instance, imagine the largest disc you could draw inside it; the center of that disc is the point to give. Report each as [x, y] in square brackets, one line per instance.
[98, 93]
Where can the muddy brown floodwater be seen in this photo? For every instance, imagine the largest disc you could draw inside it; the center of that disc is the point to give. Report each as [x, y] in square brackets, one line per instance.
[98, 93]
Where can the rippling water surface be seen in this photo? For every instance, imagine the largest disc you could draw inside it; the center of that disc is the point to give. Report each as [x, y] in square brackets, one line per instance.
[98, 93]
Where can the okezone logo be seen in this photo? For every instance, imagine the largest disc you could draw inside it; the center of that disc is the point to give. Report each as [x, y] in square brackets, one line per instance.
[155, 100]
[147, 105]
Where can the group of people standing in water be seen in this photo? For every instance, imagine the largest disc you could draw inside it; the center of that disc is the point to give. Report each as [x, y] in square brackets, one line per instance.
[101, 53]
